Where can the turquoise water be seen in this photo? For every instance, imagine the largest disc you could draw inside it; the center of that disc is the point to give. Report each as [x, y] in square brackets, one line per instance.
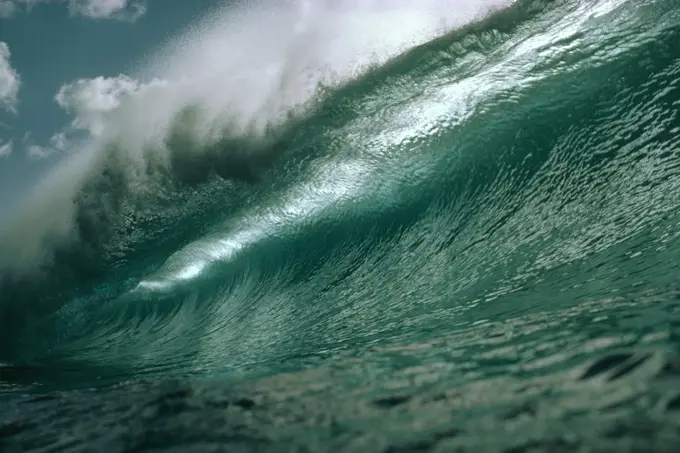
[470, 247]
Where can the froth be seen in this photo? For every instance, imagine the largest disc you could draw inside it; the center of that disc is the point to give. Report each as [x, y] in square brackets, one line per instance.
[238, 74]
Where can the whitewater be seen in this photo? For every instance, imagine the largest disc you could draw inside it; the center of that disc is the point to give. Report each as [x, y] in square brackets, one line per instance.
[361, 226]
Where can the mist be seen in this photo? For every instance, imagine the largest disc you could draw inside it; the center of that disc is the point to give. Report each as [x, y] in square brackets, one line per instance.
[211, 103]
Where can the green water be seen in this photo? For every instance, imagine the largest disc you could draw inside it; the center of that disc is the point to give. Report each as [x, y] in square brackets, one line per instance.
[472, 247]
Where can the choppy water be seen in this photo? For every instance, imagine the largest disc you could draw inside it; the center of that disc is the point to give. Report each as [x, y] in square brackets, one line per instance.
[471, 246]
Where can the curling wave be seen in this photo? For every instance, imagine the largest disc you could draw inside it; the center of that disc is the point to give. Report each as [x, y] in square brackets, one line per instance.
[498, 158]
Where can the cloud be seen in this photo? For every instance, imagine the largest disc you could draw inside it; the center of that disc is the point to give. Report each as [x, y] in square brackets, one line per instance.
[126, 10]
[7, 8]
[95, 106]
[38, 152]
[91, 100]
[113, 9]
[59, 141]
[6, 149]
[9, 80]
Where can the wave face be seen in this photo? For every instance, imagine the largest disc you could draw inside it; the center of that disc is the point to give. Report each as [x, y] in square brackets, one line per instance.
[495, 196]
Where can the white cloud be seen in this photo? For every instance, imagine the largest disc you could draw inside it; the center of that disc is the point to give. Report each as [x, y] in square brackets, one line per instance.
[91, 101]
[34, 151]
[128, 10]
[9, 80]
[114, 9]
[59, 141]
[38, 152]
[95, 105]
[6, 149]
[7, 8]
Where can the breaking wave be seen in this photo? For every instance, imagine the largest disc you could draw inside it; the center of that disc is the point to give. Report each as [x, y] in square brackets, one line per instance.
[286, 180]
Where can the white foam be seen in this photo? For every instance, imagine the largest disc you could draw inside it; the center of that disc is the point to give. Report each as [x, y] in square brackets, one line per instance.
[245, 67]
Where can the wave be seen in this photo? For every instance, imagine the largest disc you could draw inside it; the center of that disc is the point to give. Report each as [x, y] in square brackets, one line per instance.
[220, 100]
[471, 166]
[171, 139]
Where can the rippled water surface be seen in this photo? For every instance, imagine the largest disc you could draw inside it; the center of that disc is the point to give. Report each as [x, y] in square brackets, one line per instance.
[468, 245]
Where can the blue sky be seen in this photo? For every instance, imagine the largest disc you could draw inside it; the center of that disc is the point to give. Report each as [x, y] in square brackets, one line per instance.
[47, 44]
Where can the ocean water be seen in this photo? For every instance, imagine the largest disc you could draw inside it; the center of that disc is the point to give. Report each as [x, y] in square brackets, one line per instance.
[450, 226]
